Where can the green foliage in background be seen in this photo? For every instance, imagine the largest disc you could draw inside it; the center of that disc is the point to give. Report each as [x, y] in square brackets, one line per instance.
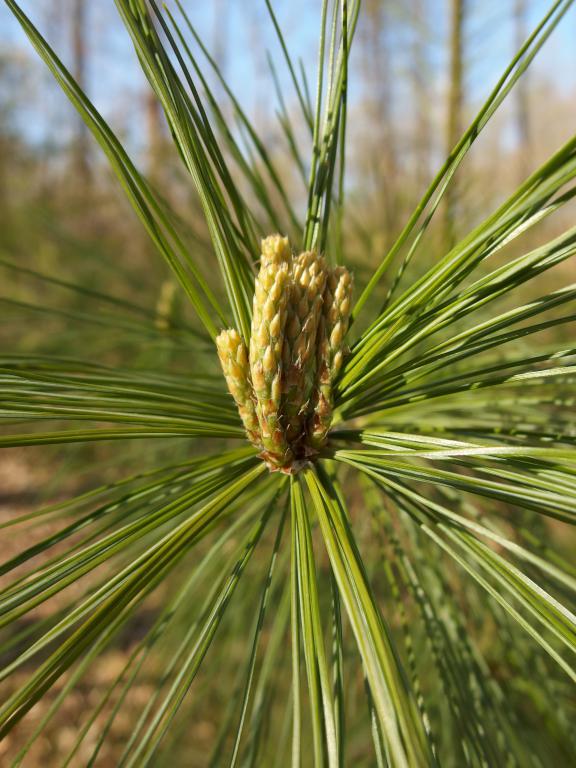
[405, 599]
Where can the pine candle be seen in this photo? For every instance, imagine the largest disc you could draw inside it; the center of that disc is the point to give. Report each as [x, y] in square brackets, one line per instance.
[283, 385]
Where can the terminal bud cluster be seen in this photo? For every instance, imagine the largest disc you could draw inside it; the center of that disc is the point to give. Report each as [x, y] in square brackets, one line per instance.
[282, 384]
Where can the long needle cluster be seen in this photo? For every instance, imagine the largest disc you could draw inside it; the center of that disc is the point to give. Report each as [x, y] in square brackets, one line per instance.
[283, 384]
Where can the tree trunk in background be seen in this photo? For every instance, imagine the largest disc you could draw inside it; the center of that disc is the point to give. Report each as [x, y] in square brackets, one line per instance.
[382, 157]
[420, 71]
[522, 95]
[454, 116]
[155, 134]
[3, 190]
[81, 160]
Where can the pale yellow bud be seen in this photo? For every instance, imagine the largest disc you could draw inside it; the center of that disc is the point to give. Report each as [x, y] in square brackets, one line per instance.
[268, 311]
[276, 290]
[242, 357]
[236, 370]
[262, 337]
[276, 388]
[275, 249]
[258, 378]
[336, 336]
[316, 284]
[234, 360]
[269, 360]
[276, 326]
[337, 362]
[345, 307]
[333, 314]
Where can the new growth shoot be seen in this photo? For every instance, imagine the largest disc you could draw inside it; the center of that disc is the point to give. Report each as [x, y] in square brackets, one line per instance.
[283, 383]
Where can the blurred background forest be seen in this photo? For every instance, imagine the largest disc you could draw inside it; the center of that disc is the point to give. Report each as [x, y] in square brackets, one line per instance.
[420, 71]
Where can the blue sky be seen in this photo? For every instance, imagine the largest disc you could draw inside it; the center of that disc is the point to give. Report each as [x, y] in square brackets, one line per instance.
[242, 30]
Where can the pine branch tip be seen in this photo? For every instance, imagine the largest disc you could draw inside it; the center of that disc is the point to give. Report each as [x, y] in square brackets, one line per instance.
[283, 384]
